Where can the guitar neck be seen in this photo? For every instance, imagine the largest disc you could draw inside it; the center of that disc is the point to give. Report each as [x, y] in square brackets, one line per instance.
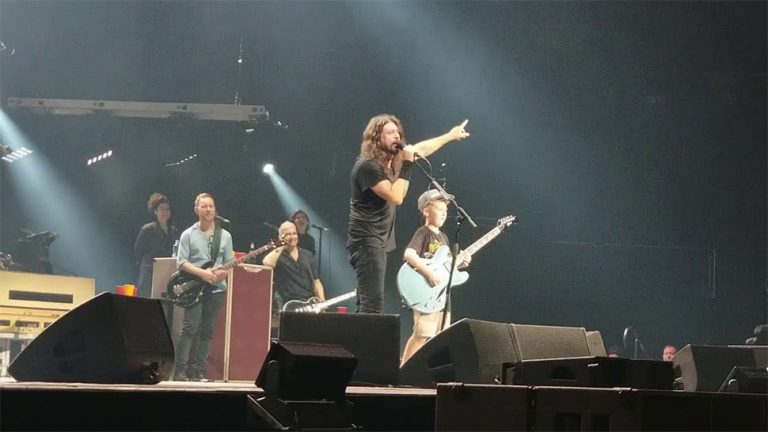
[333, 301]
[244, 258]
[482, 241]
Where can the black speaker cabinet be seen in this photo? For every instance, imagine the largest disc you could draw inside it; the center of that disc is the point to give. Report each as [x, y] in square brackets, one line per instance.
[468, 351]
[534, 342]
[746, 380]
[706, 367]
[112, 339]
[593, 372]
[474, 351]
[373, 338]
[302, 371]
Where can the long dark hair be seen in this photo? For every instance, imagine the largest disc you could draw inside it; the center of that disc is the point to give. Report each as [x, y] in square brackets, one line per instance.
[371, 146]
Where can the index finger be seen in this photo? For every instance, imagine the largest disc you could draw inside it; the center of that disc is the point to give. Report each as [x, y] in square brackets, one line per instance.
[464, 123]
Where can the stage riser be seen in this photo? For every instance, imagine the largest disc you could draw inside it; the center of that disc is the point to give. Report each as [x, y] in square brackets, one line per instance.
[468, 407]
[24, 409]
[457, 407]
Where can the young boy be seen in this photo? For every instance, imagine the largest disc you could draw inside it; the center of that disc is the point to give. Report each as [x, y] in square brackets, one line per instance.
[426, 240]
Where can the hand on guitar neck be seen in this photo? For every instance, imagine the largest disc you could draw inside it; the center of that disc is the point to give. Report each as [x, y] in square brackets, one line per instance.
[208, 275]
[186, 285]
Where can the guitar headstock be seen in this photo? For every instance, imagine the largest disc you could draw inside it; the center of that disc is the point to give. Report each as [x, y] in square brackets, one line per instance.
[506, 221]
[274, 244]
[271, 245]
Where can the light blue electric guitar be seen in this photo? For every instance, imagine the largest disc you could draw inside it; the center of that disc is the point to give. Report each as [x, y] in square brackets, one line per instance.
[416, 291]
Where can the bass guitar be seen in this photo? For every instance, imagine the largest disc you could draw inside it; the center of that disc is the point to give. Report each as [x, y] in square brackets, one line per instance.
[417, 292]
[314, 305]
[185, 289]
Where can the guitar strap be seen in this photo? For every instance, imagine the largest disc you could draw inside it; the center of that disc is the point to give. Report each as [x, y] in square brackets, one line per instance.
[215, 245]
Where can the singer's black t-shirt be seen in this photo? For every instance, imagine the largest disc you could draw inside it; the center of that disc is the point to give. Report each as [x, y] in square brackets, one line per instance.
[371, 217]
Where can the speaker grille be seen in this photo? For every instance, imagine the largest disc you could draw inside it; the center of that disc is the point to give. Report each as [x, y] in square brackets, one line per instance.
[535, 342]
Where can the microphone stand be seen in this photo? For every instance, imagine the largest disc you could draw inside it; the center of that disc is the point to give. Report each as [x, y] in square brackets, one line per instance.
[461, 216]
[319, 252]
[637, 344]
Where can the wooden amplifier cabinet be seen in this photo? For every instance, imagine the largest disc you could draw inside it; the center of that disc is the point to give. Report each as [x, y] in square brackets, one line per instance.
[241, 338]
[25, 320]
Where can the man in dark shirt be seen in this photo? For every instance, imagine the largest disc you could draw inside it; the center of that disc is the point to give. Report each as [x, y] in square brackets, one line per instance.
[379, 183]
[295, 276]
[301, 219]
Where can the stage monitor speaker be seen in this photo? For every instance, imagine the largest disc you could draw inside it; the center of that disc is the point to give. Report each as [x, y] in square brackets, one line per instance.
[110, 339]
[746, 380]
[535, 342]
[706, 367]
[303, 371]
[592, 372]
[373, 338]
[468, 351]
[474, 351]
[596, 344]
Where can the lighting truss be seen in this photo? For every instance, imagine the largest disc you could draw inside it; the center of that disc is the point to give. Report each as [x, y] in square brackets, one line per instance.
[160, 110]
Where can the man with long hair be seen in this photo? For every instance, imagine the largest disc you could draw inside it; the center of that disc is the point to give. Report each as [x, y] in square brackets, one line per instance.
[379, 181]
[300, 218]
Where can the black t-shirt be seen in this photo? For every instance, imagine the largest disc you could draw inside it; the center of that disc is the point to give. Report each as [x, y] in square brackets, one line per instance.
[425, 242]
[294, 280]
[307, 242]
[371, 217]
[153, 242]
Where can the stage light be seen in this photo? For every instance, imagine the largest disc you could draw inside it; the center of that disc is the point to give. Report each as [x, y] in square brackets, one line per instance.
[12, 156]
[268, 169]
[182, 161]
[99, 158]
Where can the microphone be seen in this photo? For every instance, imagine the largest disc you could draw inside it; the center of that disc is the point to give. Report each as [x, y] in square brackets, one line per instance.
[401, 145]
[222, 219]
[321, 228]
[269, 225]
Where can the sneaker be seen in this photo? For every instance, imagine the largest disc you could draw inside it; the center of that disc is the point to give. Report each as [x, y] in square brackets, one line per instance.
[180, 376]
[198, 376]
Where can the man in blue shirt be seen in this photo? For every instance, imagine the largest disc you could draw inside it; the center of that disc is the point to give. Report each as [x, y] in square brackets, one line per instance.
[195, 246]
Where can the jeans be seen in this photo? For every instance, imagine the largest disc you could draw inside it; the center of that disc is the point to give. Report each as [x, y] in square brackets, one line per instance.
[370, 264]
[194, 343]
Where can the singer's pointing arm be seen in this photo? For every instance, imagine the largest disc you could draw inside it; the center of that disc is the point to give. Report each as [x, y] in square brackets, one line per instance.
[395, 191]
[427, 147]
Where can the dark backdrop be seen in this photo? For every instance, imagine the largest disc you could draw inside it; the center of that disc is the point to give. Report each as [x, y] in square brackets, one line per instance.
[629, 138]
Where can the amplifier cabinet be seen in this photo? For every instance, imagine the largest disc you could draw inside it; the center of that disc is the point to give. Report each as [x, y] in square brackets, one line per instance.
[42, 291]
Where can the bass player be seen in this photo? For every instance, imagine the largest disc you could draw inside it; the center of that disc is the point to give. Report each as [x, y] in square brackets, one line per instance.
[203, 243]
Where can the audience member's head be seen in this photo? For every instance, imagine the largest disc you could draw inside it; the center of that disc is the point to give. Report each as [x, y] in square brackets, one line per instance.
[614, 351]
[669, 352]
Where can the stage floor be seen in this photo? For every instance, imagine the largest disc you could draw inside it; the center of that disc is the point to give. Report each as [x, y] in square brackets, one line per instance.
[171, 405]
[241, 387]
